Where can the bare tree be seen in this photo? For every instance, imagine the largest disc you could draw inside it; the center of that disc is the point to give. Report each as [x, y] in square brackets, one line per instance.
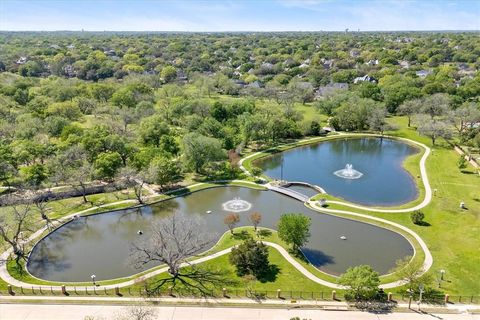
[42, 207]
[14, 227]
[433, 128]
[255, 218]
[137, 312]
[411, 273]
[378, 120]
[436, 105]
[80, 178]
[172, 241]
[135, 180]
[409, 108]
[231, 220]
[467, 114]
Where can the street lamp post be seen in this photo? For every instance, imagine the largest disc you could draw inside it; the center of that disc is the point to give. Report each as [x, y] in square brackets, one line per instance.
[421, 288]
[442, 274]
[93, 279]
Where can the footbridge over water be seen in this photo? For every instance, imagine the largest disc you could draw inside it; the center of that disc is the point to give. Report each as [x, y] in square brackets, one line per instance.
[289, 192]
[304, 184]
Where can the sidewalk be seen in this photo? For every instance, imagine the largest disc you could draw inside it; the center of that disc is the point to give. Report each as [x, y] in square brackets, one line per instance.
[245, 302]
[107, 312]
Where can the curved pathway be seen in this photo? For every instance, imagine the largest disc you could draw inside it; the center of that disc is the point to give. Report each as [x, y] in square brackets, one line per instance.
[428, 261]
[312, 204]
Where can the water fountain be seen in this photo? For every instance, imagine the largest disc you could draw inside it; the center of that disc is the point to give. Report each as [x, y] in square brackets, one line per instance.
[236, 205]
[348, 172]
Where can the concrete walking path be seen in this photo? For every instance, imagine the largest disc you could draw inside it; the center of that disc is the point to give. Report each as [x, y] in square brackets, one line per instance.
[312, 204]
[26, 311]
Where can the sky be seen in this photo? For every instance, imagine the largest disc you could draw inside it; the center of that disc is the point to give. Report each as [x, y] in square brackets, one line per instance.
[239, 15]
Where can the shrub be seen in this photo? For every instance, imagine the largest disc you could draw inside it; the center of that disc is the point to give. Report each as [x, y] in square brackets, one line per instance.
[250, 257]
[462, 163]
[417, 217]
[362, 281]
[294, 229]
[256, 171]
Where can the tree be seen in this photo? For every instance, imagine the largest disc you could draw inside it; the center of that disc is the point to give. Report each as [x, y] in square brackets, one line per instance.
[410, 108]
[362, 282]
[164, 171]
[231, 220]
[294, 229]
[433, 129]
[34, 175]
[462, 163]
[107, 164]
[461, 117]
[152, 129]
[133, 179]
[377, 120]
[250, 258]
[14, 227]
[255, 218]
[172, 241]
[417, 217]
[199, 150]
[168, 73]
[436, 105]
[411, 272]
[42, 208]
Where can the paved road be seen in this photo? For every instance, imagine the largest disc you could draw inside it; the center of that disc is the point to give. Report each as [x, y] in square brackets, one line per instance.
[74, 312]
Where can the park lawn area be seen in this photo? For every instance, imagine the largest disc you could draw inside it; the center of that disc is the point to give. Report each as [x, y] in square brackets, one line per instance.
[283, 276]
[453, 235]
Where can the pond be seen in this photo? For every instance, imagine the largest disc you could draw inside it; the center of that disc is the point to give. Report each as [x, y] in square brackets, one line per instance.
[100, 244]
[382, 180]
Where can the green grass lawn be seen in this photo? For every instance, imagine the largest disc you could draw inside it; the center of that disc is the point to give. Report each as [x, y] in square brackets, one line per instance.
[453, 234]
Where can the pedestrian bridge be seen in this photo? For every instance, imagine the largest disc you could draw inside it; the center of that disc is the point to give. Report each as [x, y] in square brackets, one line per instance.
[289, 192]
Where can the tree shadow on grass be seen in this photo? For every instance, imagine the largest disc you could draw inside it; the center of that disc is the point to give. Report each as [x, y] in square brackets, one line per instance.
[269, 275]
[264, 233]
[423, 224]
[242, 235]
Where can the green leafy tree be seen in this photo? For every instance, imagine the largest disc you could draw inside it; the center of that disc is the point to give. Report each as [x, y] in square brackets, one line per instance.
[199, 150]
[294, 229]
[164, 171]
[250, 257]
[107, 165]
[362, 282]
[462, 163]
[34, 174]
[152, 129]
[168, 73]
[417, 217]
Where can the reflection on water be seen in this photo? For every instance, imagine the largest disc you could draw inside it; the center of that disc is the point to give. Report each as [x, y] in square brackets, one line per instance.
[384, 181]
[100, 244]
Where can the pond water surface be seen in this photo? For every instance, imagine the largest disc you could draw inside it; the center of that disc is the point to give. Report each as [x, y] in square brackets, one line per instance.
[100, 244]
[384, 181]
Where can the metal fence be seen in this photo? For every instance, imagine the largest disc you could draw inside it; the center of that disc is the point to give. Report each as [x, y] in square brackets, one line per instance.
[226, 293]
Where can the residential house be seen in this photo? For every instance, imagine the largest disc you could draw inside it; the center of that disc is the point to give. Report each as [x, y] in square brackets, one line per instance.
[372, 62]
[330, 88]
[22, 60]
[423, 73]
[364, 78]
